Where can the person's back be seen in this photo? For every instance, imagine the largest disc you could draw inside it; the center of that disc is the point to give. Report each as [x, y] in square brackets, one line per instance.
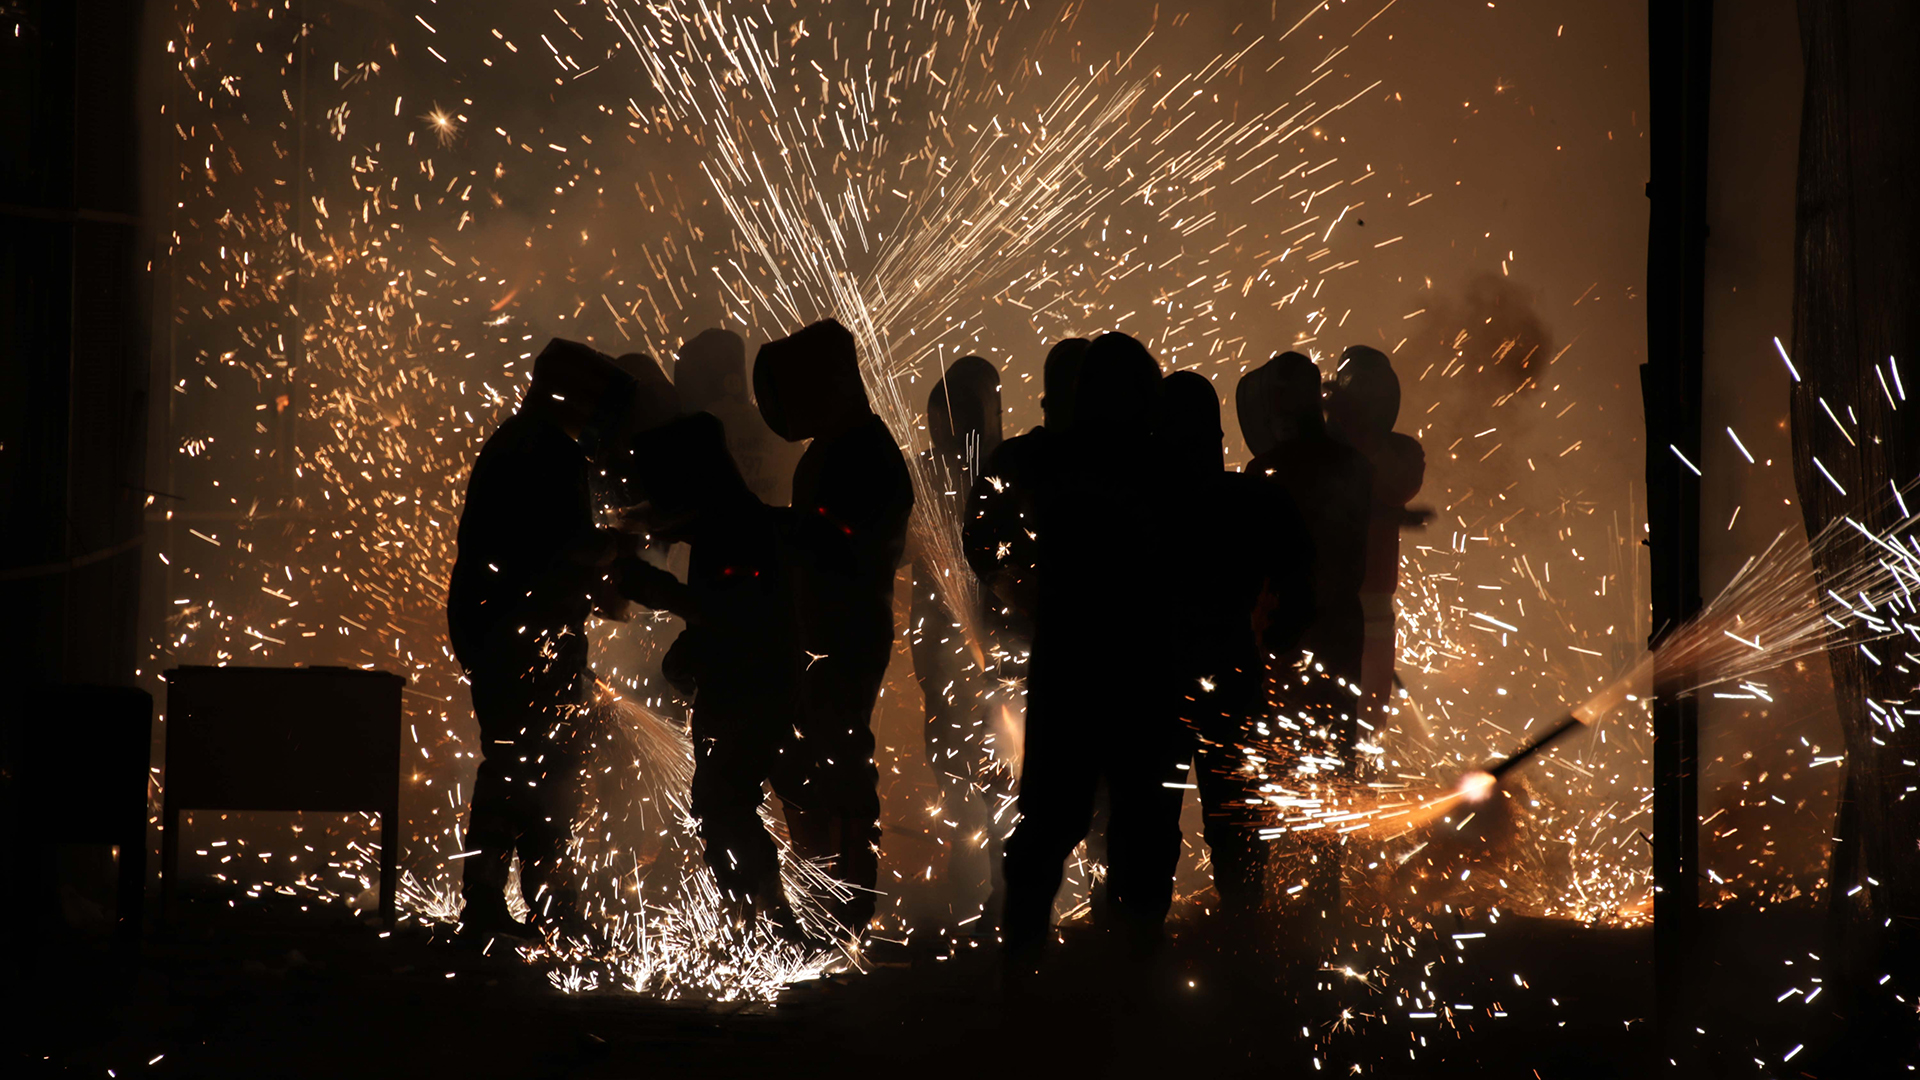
[527, 499]
[1096, 714]
[738, 594]
[957, 654]
[852, 497]
[847, 535]
[1361, 411]
[1238, 586]
[1087, 555]
[526, 575]
[1240, 558]
[1003, 521]
[1330, 485]
[739, 657]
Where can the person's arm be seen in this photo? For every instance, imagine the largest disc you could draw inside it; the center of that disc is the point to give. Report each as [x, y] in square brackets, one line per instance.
[651, 586]
[1406, 474]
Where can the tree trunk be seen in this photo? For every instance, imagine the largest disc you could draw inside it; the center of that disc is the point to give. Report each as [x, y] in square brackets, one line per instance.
[1856, 284]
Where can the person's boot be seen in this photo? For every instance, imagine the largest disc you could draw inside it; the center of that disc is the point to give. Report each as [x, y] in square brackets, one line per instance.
[483, 920]
[483, 888]
[1020, 961]
[558, 918]
[770, 899]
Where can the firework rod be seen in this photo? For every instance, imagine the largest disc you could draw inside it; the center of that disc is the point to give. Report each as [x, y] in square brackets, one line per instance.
[1587, 712]
[1538, 743]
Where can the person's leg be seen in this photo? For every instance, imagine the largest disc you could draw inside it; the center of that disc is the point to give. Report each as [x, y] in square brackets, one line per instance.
[491, 830]
[1057, 782]
[1232, 823]
[1377, 653]
[953, 730]
[732, 758]
[557, 764]
[1143, 841]
[839, 803]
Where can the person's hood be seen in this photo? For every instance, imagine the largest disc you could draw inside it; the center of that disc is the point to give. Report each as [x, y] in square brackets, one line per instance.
[964, 407]
[581, 386]
[656, 399]
[711, 367]
[1060, 381]
[1366, 392]
[809, 383]
[1253, 406]
[1187, 424]
[682, 466]
[1119, 385]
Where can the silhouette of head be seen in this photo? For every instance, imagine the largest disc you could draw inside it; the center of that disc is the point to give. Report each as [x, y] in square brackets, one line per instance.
[656, 399]
[1294, 383]
[711, 368]
[964, 406]
[1119, 385]
[1253, 405]
[581, 388]
[1365, 400]
[808, 384]
[1060, 381]
[1187, 425]
[683, 467]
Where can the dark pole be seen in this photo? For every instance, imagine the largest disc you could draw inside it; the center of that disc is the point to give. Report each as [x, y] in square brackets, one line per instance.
[73, 341]
[1680, 36]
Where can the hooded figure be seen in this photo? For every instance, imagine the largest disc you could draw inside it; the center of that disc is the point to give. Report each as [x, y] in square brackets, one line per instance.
[1361, 411]
[1098, 703]
[1331, 485]
[846, 537]
[1241, 565]
[655, 401]
[955, 660]
[529, 566]
[1253, 406]
[1002, 522]
[739, 657]
[711, 376]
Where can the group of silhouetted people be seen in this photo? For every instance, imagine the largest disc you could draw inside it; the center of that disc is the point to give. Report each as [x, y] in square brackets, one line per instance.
[1156, 606]
[788, 609]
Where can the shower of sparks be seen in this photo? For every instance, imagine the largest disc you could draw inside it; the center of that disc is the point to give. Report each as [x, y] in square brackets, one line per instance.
[357, 289]
[356, 307]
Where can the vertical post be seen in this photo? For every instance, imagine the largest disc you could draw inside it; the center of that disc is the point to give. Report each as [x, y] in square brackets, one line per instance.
[1679, 54]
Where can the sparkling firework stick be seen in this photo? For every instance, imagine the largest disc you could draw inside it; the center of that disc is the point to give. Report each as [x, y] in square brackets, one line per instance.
[1538, 743]
[1478, 785]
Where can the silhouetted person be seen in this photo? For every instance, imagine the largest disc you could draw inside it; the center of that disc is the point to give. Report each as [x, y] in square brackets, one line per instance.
[529, 566]
[739, 657]
[852, 497]
[1361, 410]
[1253, 406]
[1331, 486]
[955, 660]
[1001, 536]
[1003, 520]
[1097, 701]
[710, 374]
[1238, 585]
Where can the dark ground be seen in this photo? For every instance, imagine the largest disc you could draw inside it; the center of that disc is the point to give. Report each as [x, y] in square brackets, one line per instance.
[241, 992]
